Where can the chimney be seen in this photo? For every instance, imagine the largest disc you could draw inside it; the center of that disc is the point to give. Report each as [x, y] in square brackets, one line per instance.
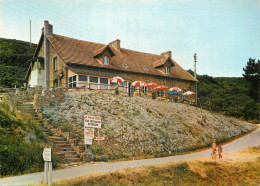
[167, 54]
[48, 29]
[116, 44]
[47, 32]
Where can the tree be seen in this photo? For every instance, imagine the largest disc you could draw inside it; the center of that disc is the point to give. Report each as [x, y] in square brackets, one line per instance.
[252, 76]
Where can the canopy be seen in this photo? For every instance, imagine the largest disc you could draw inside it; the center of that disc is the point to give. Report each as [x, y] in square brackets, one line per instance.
[188, 93]
[151, 85]
[175, 89]
[161, 88]
[138, 83]
[117, 79]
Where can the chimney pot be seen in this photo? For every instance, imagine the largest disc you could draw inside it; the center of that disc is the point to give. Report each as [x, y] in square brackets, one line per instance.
[116, 44]
[167, 54]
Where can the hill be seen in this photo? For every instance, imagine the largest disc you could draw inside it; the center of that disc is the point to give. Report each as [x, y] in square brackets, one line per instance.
[14, 56]
[228, 95]
[137, 126]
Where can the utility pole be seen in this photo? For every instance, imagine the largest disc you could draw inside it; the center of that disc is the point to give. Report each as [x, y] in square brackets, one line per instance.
[195, 76]
[30, 33]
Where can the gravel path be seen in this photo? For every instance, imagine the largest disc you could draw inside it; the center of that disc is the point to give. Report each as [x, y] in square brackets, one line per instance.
[250, 140]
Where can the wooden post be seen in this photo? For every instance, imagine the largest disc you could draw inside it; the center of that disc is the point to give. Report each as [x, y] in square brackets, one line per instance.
[50, 173]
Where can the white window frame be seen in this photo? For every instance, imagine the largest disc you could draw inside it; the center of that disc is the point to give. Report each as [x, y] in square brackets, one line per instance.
[167, 70]
[72, 82]
[106, 60]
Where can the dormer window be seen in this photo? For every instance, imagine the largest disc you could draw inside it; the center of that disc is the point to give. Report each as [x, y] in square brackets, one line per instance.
[167, 70]
[106, 60]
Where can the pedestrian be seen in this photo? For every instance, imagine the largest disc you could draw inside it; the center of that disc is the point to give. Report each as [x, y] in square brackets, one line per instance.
[116, 90]
[214, 145]
[219, 151]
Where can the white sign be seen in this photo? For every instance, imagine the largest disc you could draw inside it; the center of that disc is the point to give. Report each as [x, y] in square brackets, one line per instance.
[92, 121]
[46, 154]
[88, 140]
[89, 132]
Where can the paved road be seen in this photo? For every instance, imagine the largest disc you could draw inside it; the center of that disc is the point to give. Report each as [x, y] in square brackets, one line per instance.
[250, 140]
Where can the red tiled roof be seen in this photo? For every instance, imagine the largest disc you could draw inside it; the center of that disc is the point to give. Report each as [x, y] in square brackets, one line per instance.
[81, 52]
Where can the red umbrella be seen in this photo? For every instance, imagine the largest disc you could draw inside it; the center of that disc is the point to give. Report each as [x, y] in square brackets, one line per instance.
[138, 83]
[161, 88]
[188, 93]
[176, 89]
[151, 85]
[117, 80]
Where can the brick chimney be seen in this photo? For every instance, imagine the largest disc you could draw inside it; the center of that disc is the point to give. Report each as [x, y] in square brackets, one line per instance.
[167, 54]
[116, 44]
[47, 32]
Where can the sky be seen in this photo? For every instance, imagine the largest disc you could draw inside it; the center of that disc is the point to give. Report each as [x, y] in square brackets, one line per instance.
[223, 33]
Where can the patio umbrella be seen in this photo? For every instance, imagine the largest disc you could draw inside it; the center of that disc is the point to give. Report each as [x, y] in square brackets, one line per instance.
[117, 79]
[161, 88]
[176, 89]
[138, 84]
[188, 93]
[151, 85]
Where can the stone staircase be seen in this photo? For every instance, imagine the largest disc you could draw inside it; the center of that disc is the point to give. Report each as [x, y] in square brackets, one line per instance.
[65, 149]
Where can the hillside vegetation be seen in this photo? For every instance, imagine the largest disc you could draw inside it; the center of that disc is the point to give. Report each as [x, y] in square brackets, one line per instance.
[239, 168]
[14, 56]
[228, 95]
[21, 143]
[135, 126]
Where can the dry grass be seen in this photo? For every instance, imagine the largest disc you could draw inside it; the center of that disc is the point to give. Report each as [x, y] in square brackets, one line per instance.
[239, 168]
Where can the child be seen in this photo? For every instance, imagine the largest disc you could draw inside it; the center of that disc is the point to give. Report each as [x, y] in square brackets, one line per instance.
[219, 151]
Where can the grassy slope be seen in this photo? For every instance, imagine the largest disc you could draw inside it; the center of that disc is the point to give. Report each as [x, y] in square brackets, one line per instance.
[14, 58]
[136, 126]
[21, 143]
[239, 168]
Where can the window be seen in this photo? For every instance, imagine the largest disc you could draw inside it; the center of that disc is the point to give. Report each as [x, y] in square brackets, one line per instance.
[55, 66]
[104, 80]
[55, 83]
[167, 70]
[93, 79]
[73, 81]
[106, 60]
[83, 78]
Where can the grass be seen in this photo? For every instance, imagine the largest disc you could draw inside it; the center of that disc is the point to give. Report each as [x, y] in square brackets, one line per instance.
[239, 168]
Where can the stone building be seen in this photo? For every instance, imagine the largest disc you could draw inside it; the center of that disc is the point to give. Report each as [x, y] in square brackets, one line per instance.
[61, 61]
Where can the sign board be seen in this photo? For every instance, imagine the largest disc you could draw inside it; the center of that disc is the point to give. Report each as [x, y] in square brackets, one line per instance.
[46, 154]
[88, 140]
[92, 122]
[99, 138]
[89, 132]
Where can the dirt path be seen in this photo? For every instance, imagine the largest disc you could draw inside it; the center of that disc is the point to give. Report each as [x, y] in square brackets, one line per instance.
[250, 140]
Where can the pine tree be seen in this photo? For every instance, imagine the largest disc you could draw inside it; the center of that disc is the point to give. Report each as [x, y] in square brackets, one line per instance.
[252, 76]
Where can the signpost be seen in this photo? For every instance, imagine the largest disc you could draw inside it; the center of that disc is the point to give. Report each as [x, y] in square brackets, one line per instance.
[47, 165]
[90, 123]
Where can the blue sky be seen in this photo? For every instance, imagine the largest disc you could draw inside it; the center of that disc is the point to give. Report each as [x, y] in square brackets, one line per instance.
[223, 33]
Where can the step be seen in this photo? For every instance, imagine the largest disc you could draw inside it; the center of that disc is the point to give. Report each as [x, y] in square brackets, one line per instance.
[55, 138]
[62, 146]
[67, 153]
[68, 160]
[71, 156]
[61, 143]
[65, 149]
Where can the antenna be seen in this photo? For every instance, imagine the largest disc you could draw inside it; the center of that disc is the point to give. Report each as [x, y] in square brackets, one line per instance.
[30, 33]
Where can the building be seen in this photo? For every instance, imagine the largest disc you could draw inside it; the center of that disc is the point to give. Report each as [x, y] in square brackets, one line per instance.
[61, 61]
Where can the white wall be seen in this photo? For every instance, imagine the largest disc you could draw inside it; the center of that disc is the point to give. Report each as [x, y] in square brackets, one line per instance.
[37, 76]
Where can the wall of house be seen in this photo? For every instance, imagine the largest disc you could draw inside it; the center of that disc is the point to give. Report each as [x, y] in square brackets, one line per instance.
[37, 76]
[60, 73]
